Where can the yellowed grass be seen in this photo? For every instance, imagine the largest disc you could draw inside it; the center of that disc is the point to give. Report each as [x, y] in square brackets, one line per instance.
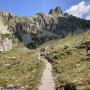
[71, 65]
[20, 67]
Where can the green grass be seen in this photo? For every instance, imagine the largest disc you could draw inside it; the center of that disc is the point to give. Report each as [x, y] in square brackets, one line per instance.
[70, 64]
[20, 67]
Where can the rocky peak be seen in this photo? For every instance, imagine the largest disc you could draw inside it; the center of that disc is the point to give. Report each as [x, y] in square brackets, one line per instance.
[52, 11]
[5, 14]
[66, 14]
[56, 11]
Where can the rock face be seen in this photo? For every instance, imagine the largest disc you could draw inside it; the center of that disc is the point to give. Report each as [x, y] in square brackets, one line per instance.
[52, 12]
[41, 27]
[5, 45]
[5, 42]
[56, 11]
[3, 28]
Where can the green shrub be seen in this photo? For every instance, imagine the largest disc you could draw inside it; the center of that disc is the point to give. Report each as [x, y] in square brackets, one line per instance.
[31, 45]
[3, 83]
[70, 86]
[9, 36]
[18, 36]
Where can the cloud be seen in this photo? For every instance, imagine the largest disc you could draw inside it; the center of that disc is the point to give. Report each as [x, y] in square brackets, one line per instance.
[81, 10]
[88, 17]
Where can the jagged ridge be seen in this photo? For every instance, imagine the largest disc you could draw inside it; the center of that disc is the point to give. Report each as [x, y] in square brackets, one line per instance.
[40, 28]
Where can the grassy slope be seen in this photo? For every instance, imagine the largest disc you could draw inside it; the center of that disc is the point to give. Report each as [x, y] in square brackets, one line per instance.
[20, 67]
[71, 65]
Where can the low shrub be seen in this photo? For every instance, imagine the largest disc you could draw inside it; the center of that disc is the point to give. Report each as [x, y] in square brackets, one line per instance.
[70, 86]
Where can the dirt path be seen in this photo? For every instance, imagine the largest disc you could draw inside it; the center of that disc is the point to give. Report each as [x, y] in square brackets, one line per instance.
[47, 81]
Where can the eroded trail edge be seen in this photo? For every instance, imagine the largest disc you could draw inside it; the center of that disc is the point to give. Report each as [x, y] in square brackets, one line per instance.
[47, 80]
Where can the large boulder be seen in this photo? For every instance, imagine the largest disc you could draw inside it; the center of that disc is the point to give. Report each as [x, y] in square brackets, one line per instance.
[5, 45]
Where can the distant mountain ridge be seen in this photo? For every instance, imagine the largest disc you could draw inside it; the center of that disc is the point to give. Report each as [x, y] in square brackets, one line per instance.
[35, 30]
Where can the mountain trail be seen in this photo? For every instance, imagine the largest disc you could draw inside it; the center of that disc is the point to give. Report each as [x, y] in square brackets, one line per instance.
[47, 80]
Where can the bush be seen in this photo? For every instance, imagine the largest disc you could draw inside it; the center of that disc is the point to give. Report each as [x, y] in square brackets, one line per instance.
[70, 86]
[40, 14]
[84, 45]
[55, 57]
[18, 36]
[9, 36]
[31, 45]
[67, 50]
[3, 83]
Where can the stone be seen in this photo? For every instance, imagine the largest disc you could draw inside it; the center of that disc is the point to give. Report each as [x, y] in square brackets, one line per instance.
[5, 45]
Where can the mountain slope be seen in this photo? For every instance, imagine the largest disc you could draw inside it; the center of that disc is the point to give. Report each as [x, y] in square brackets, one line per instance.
[20, 67]
[35, 30]
[70, 58]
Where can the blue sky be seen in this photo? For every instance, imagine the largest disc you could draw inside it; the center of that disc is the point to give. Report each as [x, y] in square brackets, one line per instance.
[31, 7]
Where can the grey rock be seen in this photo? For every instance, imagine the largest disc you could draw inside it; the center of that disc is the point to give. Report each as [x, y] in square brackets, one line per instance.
[58, 11]
[52, 11]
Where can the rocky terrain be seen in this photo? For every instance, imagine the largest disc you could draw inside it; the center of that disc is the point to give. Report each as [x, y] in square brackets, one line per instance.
[34, 31]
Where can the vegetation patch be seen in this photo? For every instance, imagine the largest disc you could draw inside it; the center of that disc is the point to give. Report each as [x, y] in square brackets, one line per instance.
[20, 67]
[70, 62]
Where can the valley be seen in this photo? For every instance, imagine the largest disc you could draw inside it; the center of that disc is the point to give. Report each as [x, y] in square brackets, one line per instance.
[44, 52]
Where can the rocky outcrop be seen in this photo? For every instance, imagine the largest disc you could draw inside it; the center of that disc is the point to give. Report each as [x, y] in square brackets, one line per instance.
[5, 42]
[41, 27]
[5, 15]
[56, 11]
[3, 28]
[5, 45]
[52, 12]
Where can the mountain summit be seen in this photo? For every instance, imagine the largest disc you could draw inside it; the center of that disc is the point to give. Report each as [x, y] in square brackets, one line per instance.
[56, 11]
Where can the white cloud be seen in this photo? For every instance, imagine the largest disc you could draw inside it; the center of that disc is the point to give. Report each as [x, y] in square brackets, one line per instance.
[88, 17]
[80, 10]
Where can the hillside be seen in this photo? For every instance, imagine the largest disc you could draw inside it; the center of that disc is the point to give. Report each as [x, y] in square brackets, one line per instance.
[20, 67]
[70, 59]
